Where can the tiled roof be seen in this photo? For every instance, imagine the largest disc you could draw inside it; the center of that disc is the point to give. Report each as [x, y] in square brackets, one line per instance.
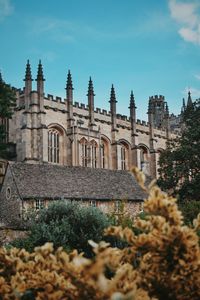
[53, 181]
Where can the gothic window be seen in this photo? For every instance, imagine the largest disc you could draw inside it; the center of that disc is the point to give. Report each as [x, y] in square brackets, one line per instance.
[54, 146]
[143, 154]
[144, 160]
[103, 158]
[84, 152]
[124, 155]
[94, 154]
[123, 158]
[104, 153]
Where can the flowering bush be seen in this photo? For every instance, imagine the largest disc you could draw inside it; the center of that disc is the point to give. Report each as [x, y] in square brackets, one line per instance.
[162, 262]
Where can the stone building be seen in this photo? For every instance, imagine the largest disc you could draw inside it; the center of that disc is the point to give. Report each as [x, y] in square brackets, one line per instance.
[33, 186]
[48, 129]
[68, 150]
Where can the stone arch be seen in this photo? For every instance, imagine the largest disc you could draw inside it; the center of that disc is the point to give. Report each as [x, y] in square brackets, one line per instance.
[58, 127]
[56, 144]
[124, 154]
[144, 158]
[105, 152]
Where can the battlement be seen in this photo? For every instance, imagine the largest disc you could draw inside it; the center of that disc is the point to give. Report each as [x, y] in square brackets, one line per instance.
[122, 117]
[157, 98]
[102, 111]
[80, 105]
[55, 99]
[141, 122]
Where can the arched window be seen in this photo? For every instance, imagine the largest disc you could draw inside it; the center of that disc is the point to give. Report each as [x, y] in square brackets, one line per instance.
[144, 159]
[104, 153]
[84, 152]
[124, 155]
[143, 154]
[93, 154]
[103, 158]
[54, 146]
[123, 158]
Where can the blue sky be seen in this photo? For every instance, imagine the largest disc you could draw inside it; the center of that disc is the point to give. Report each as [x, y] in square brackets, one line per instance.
[148, 46]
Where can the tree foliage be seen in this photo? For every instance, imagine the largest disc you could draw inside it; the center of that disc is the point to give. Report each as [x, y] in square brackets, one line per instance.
[180, 162]
[7, 103]
[190, 210]
[66, 224]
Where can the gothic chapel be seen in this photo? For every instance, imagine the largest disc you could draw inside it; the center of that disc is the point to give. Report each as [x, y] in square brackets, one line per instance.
[48, 129]
[67, 150]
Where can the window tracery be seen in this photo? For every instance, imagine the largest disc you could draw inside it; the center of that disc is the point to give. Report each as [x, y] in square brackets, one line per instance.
[54, 146]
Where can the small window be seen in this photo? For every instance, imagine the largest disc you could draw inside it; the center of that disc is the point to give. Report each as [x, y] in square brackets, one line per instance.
[39, 204]
[93, 203]
[8, 193]
[117, 206]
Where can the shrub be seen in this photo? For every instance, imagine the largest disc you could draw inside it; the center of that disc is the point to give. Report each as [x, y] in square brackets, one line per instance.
[166, 251]
[66, 224]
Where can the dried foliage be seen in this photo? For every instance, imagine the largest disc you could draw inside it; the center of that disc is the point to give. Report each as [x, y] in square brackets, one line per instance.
[162, 262]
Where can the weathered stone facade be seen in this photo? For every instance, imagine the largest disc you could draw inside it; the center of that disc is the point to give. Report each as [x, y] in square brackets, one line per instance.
[47, 129]
[33, 186]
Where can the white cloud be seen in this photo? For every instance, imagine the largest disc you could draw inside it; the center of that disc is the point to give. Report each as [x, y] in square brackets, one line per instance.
[6, 9]
[187, 15]
[197, 76]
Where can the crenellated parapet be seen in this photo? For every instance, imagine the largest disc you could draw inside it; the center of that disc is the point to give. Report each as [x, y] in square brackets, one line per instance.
[61, 130]
[54, 98]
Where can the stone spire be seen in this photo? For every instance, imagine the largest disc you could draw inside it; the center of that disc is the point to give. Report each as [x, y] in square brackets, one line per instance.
[113, 102]
[28, 85]
[69, 84]
[28, 76]
[91, 95]
[40, 76]
[69, 87]
[183, 106]
[90, 88]
[132, 101]
[135, 152]
[40, 86]
[189, 102]
[132, 108]
[167, 124]
[69, 96]
[112, 95]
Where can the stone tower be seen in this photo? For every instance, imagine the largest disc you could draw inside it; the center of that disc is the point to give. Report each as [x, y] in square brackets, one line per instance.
[33, 130]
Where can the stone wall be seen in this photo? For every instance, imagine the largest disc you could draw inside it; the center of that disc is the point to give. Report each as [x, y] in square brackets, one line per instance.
[10, 202]
[108, 207]
[8, 235]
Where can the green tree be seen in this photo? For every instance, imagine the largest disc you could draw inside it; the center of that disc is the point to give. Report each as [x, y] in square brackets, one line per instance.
[7, 103]
[190, 210]
[66, 224]
[180, 162]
